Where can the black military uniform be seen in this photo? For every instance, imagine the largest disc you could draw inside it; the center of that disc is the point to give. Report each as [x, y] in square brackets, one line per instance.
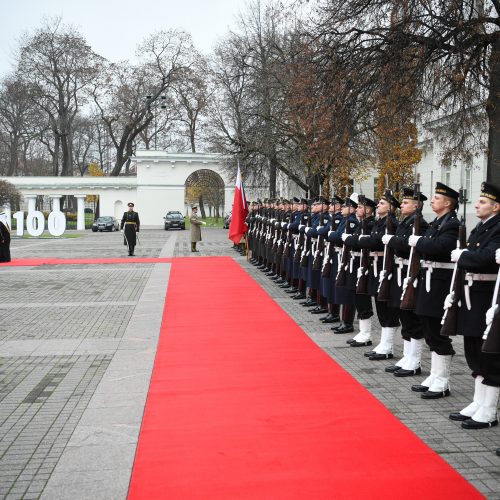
[411, 326]
[435, 248]
[130, 225]
[4, 238]
[363, 302]
[478, 262]
[387, 316]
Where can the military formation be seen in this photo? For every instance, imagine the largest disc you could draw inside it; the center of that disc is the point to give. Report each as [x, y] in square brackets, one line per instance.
[353, 257]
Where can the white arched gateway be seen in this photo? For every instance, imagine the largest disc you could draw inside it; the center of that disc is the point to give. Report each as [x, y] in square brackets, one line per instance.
[159, 186]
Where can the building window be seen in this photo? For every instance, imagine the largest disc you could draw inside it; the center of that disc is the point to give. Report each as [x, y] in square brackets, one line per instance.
[447, 176]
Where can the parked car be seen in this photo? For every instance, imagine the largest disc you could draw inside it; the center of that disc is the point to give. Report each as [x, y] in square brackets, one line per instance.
[227, 220]
[174, 212]
[105, 223]
[174, 220]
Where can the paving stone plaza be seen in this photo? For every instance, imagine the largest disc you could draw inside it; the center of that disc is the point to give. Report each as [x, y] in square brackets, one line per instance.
[77, 347]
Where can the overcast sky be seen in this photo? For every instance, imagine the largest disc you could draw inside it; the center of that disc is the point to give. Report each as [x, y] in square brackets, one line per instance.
[113, 28]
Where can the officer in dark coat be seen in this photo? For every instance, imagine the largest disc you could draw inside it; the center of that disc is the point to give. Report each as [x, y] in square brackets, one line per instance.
[388, 317]
[363, 302]
[478, 262]
[436, 271]
[4, 238]
[130, 225]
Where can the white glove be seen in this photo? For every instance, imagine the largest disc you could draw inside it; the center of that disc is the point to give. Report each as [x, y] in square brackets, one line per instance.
[490, 314]
[448, 301]
[386, 238]
[364, 236]
[308, 229]
[360, 272]
[455, 254]
[330, 233]
[497, 256]
[412, 240]
[301, 226]
[283, 224]
[345, 236]
[203, 222]
[272, 220]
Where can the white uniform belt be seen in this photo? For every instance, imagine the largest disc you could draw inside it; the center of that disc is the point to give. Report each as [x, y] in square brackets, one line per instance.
[438, 265]
[337, 249]
[480, 277]
[355, 254]
[401, 262]
[376, 254]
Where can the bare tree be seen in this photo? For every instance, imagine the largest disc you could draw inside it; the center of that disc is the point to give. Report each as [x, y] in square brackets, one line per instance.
[57, 65]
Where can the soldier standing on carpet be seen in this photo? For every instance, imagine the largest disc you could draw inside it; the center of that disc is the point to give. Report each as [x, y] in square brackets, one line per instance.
[4, 238]
[411, 326]
[478, 262]
[130, 226]
[433, 287]
[196, 224]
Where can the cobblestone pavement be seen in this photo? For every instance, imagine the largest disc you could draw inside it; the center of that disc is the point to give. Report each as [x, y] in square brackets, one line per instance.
[76, 356]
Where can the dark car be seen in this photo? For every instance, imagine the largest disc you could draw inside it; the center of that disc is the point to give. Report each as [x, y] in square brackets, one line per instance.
[106, 223]
[174, 220]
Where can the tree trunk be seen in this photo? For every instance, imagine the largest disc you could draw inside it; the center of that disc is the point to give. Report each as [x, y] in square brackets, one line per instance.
[66, 156]
[202, 207]
[14, 152]
[55, 156]
[493, 110]
[272, 177]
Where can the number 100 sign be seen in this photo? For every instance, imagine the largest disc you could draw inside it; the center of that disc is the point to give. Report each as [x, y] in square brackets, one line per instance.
[35, 223]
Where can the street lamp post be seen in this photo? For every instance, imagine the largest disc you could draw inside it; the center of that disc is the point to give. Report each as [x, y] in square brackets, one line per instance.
[156, 104]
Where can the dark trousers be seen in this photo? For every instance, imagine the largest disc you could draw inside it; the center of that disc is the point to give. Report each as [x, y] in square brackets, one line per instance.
[411, 326]
[363, 306]
[438, 343]
[482, 363]
[387, 316]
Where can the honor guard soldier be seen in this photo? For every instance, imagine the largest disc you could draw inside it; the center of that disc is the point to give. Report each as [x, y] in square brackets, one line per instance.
[342, 295]
[4, 238]
[436, 271]
[411, 326]
[330, 261]
[299, 207]
[388, 317]
[300, 249]
[130, 226]
[477, 262]
[358, 269]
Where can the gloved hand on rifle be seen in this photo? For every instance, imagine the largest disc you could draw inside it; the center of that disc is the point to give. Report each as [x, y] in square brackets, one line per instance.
[386, 238]
[455, 254]
[490, 314]
[497, 256]
[345, 236]
[308, 229]
[448, 301]
[301, 226]
[412, 240]
[203, 222]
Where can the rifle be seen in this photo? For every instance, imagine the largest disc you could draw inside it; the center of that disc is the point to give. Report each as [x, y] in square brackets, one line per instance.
[277, 233]
[281, 237]
[364, 264]
[450, 316]
[388, 263]
[409, 285]
[346, 250]
[307, 249]
[491, 335]
[318, 256]
[329, 255]
[289, 238]
[300, 243]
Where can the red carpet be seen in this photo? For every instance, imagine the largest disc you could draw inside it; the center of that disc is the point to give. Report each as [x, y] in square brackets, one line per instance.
[243, 405]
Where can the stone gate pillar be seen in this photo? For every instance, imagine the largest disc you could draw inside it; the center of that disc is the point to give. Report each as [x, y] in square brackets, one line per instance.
[31, 202]
[80, 214]
[56, 202]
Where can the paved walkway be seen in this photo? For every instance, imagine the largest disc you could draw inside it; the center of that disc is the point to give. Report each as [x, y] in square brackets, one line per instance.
[77, 346]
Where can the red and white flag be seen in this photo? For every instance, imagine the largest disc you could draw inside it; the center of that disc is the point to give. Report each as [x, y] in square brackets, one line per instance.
[237, 226]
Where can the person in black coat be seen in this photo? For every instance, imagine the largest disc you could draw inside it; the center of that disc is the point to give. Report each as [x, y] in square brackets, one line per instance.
[130, 226]
[478, 261]
[388, 316]
[4, 238]
[411, 326]
[433, 287]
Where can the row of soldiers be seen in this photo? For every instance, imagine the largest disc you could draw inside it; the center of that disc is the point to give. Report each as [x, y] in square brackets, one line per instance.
[341, 256]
